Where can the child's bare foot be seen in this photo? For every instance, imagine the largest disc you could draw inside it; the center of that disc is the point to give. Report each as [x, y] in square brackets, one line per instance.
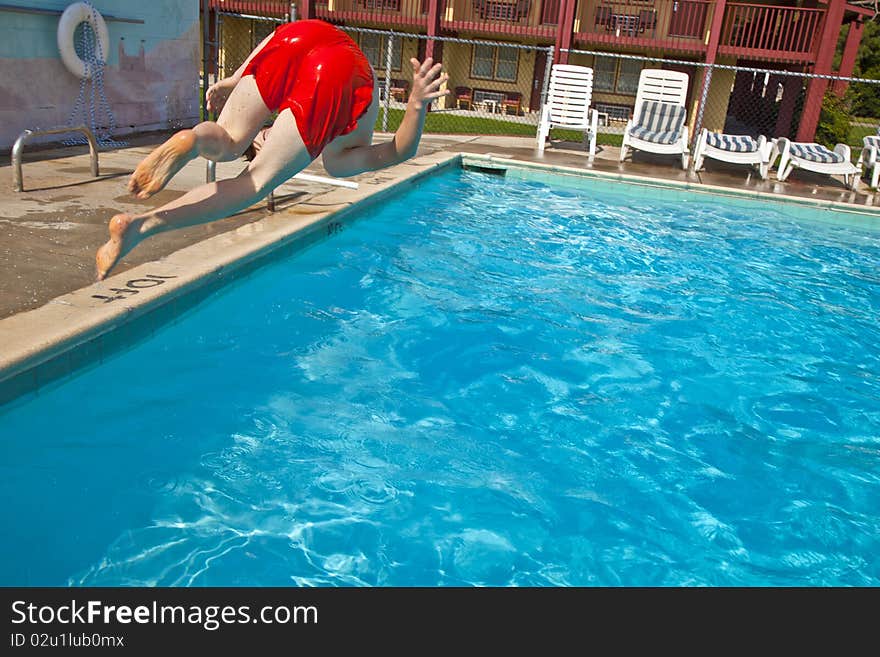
[159, 166]
[123, 238]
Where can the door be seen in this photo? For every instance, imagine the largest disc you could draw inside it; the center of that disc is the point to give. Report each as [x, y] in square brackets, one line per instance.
[538, 80]
[688, 19]
[550, 12]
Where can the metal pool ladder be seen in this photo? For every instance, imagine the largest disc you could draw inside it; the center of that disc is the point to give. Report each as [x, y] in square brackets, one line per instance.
[18, 148]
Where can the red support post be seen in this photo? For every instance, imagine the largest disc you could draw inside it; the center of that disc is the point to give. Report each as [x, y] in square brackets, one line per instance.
[433, 49]
[564, 31]
[711, 53]
[715, 31]
[824, 59]
[306, 9]
[850, 52]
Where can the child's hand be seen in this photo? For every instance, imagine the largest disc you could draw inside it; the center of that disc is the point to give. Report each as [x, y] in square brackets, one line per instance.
[426, 82]
[218, 93]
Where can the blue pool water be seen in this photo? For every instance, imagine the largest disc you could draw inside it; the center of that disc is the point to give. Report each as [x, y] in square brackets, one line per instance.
[482, 382]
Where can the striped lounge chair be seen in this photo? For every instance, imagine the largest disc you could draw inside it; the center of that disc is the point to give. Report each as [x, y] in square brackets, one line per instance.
[818, 158]
[659, 116]
[870, 157]
[737, 149]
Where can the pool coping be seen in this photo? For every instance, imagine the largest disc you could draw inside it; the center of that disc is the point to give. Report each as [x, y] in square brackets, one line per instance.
[81, 329]
[496, 161]
[78, 330]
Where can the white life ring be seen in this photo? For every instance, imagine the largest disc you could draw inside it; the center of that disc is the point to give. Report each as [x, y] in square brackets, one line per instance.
[77, 13]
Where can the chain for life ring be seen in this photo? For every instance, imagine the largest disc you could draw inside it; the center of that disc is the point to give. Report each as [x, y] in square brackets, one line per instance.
[93, 59]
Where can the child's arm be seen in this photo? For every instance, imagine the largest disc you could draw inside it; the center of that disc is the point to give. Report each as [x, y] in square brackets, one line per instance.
[343, 160]
[220, 90]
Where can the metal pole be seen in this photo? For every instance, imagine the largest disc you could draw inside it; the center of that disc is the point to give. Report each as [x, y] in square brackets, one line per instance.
[292, 12]
[211, 167]
[216, 43]
[18, 150]
[547, 67]
[698, 123]
[205, 25]
[388, 52]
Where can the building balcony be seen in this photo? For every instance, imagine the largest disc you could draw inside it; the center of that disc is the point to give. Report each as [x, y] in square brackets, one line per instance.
[680, 26]
[669, 27]
[771, 32]
[683, 26]
[394, 14]
[492, 18]
[536, 19]
[261, 8]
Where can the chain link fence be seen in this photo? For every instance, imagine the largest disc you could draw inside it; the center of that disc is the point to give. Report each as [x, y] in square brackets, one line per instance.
[498, 87]
[494, 87]
[741, 100]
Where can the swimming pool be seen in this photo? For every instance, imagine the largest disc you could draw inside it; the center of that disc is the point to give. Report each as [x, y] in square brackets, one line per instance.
[485, 382]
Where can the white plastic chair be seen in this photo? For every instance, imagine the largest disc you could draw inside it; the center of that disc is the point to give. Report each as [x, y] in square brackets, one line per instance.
[817, 158]
[659, 123]
[735, 149]
[870, 157]
[568, 104]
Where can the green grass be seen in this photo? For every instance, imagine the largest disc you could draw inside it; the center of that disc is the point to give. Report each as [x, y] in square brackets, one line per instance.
[456, 124]
[858, 132]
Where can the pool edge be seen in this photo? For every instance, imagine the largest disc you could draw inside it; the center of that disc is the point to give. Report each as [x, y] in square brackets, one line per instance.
[83, 328]
[703, 189]
[80, 329]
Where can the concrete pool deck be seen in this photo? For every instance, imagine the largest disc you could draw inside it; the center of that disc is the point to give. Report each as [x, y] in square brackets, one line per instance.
[50, 302]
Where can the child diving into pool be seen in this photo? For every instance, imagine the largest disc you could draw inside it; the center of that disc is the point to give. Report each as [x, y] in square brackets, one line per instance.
[327, 99]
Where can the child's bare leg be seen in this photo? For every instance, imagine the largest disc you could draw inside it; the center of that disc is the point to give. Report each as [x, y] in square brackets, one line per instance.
[283, 156]
[242, 117]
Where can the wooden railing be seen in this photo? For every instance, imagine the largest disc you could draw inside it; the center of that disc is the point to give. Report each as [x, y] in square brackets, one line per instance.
[673, 25]
[267, 8]
[768, 31]
[748, 30]
[533, 18]
[379, 13]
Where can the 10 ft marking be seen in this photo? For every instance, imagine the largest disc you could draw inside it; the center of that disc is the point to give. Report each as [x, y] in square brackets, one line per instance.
[134, 286]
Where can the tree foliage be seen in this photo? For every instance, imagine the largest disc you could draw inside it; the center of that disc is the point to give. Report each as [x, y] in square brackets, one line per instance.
[834, 121]
[864, 98]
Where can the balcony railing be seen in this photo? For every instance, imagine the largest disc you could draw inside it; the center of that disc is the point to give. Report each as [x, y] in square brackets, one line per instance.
[768, 31]
[678, 25]
[670, 26]
[267, 8]
[380, 13]
[530, 18]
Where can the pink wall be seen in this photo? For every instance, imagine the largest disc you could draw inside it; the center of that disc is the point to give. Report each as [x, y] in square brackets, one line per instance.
[151, 80]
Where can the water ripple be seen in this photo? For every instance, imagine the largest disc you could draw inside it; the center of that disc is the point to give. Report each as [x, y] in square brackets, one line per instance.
[486, 382]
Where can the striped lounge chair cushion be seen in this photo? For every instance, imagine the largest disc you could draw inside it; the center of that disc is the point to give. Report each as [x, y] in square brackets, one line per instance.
[873, 141]
[815, 153]
[732, 143]
[659, 123]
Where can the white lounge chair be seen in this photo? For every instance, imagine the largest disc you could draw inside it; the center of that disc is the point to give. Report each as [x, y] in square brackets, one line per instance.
[659, 115]
[568, 104]
[870, 157]
[817, 158]
[736, 149]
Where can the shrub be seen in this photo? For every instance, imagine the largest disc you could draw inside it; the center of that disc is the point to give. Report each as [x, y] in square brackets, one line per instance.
[834, 122]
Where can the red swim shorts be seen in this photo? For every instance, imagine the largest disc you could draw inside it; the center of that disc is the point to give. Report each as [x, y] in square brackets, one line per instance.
[317, 71]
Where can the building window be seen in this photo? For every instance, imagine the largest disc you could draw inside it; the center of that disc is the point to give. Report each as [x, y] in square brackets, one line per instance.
[616, 75]
[628, 76]
[495, 63]
[604, 72]
[375, 47]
